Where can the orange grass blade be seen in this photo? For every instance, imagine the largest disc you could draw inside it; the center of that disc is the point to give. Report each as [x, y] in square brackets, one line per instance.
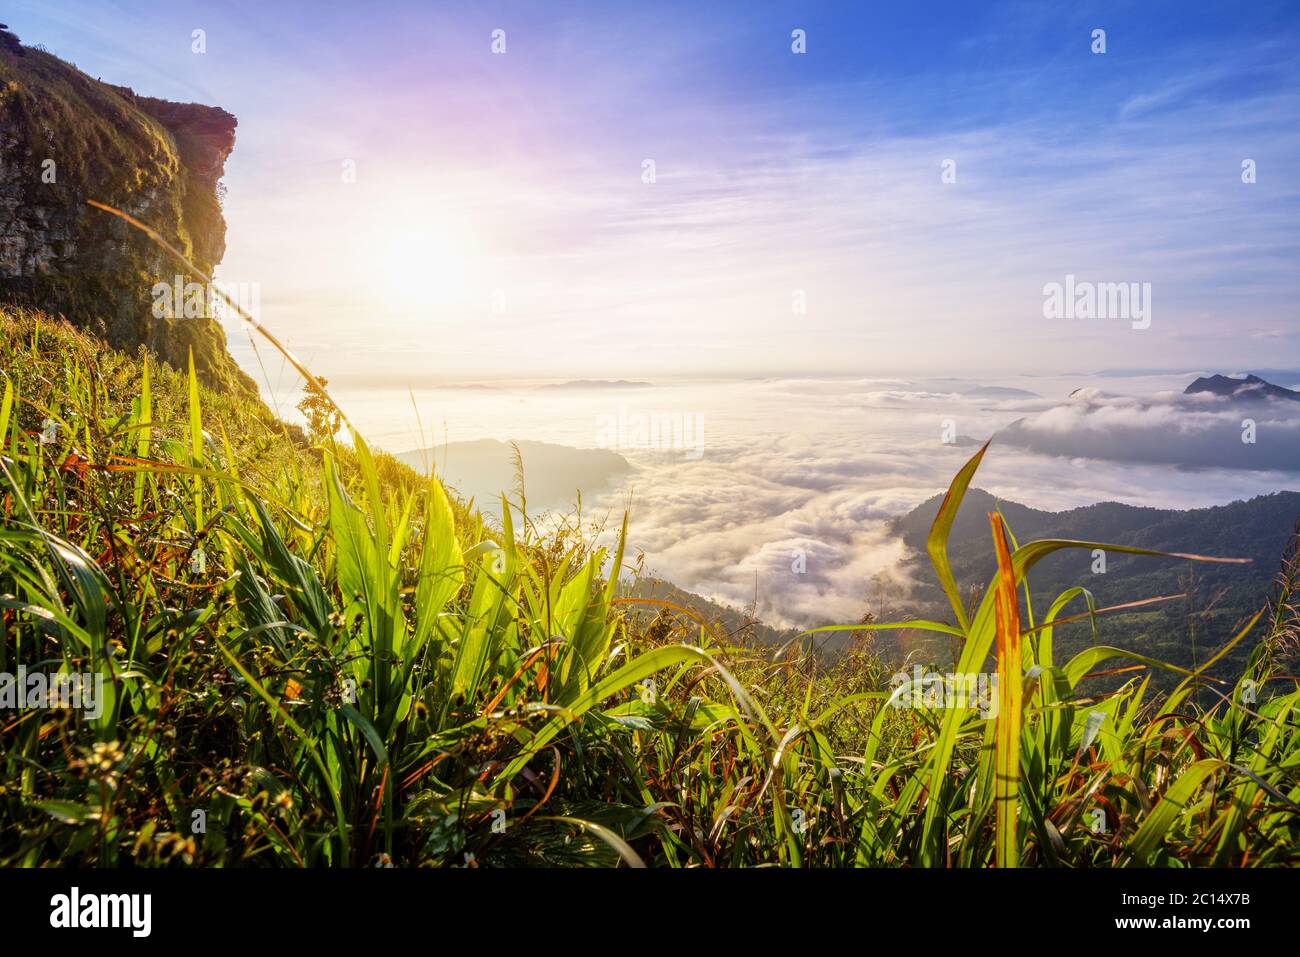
[243, 313]
[1006, 790]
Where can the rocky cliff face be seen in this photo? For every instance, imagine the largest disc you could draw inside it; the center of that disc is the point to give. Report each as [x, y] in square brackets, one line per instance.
[66, 138]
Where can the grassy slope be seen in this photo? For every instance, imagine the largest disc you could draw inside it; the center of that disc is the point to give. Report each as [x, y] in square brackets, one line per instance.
[86, 124]
[362, 673]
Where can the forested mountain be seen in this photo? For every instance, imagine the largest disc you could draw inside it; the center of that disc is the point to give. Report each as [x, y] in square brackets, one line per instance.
[1218, 596]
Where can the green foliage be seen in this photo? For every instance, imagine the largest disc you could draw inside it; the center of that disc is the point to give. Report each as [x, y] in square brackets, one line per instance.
[359, 671]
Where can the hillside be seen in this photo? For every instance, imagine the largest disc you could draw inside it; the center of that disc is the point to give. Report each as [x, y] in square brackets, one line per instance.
[1221, 595]
[66, 138]
[730, 625]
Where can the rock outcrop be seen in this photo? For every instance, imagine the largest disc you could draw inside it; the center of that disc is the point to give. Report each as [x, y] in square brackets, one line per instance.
[66, 138]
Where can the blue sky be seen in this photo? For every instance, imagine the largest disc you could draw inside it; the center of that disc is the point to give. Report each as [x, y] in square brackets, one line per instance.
[499, 224]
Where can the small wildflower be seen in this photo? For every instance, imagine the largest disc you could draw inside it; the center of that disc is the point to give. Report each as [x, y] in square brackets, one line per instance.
[101, 761]
[106, 754]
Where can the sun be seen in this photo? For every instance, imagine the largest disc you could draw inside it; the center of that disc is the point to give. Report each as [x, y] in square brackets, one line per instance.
[425, 260]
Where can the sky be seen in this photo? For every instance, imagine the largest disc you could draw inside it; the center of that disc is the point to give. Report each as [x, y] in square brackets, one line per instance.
[892, 201]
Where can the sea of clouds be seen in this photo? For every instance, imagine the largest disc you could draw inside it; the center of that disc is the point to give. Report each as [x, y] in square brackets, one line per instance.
[790, 501]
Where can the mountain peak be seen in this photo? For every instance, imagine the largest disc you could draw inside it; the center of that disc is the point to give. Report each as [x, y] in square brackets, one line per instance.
[1251, 387]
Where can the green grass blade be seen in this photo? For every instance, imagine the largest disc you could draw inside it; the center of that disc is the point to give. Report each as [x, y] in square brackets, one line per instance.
[936, 543]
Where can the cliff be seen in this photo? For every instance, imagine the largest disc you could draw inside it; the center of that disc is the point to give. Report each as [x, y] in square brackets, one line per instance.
[66, 138]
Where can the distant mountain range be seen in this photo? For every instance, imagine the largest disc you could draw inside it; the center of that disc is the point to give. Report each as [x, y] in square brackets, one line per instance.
[577, 384]
[1000, 392]
[1218, 422]
[1251, 387]
[1259, 529]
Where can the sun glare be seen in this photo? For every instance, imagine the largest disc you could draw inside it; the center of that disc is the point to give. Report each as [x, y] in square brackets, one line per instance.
[418, 257]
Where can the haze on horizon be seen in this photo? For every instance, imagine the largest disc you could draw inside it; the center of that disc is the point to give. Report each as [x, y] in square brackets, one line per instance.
[500, 224]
